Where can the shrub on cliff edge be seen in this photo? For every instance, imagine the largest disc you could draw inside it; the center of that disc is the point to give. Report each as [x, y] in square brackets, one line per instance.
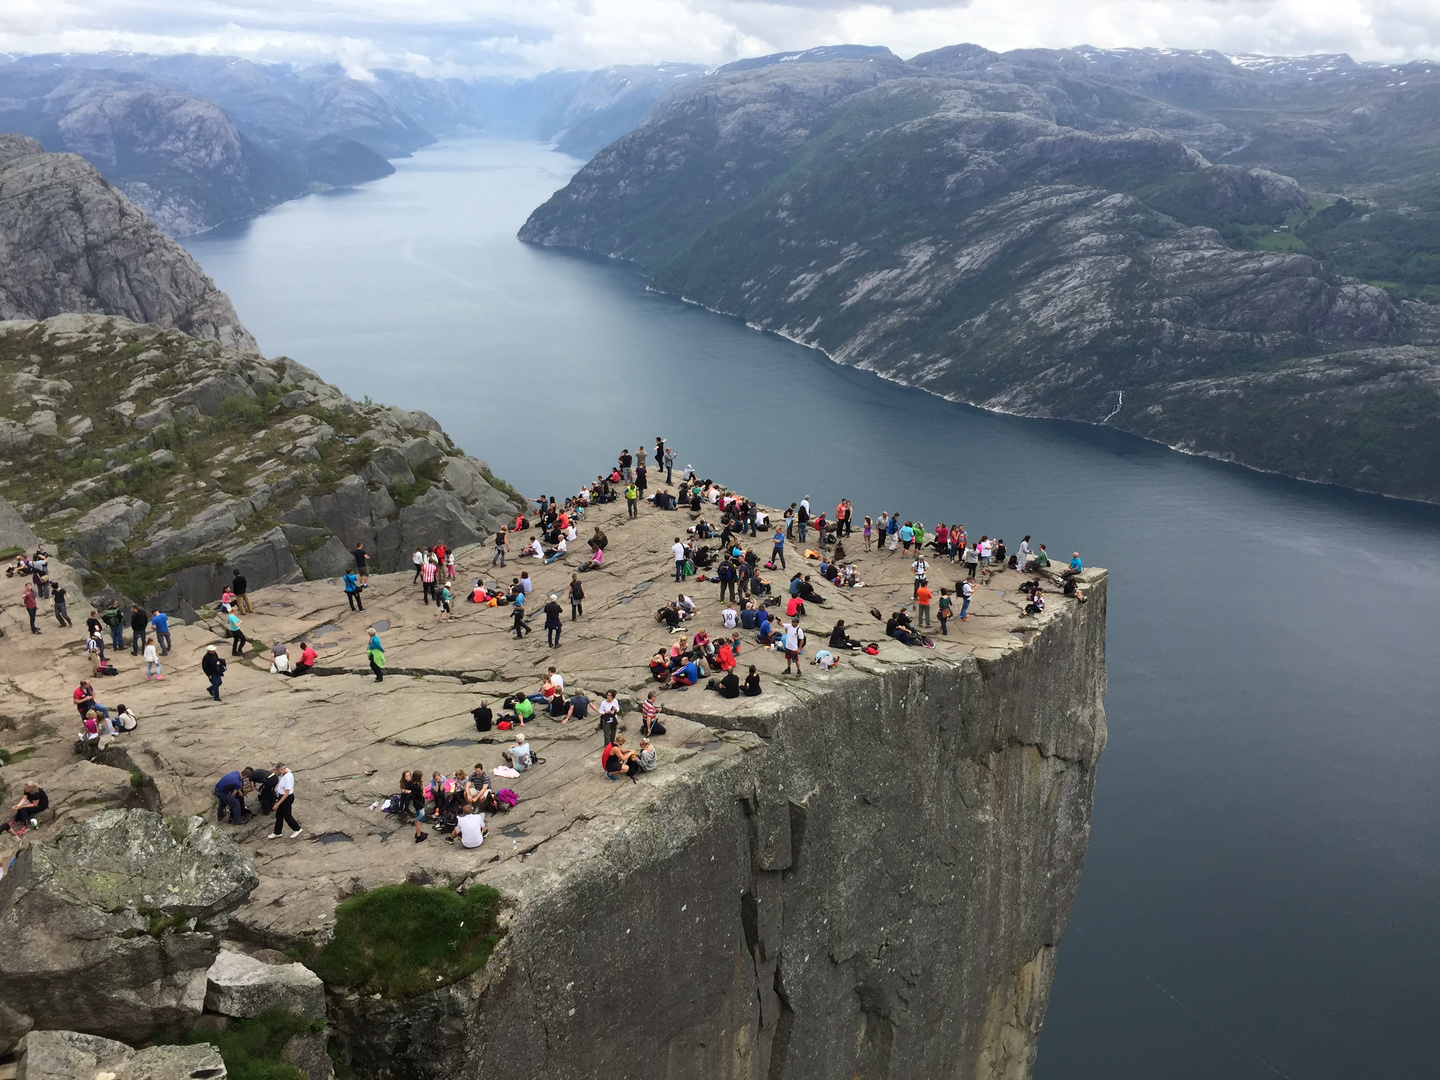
[402, 940]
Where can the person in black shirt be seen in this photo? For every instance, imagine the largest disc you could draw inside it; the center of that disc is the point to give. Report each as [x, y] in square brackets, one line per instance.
[62, 615]
[552, 611]
[238, 585]
[33, 802]
[139, 621]
[412, 792]
[752, 683]
[263, 782]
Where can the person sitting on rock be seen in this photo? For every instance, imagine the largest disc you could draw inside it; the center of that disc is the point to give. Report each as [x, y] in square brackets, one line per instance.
[840, 639]
[518, 755]
[647, 756]
[1075, 568]
[685, 676]
[1072, 589]
[728, 685]
[660, 665]
[725, 654]
[1037, 602]
[808, 593]
[279, 658]
[577, 708]
[895, 627]
[670, 616]
[33, 802]
[469, 828]
[617, 760]
[308, 656]
[523, 707]
[477, 788]
[751, 688]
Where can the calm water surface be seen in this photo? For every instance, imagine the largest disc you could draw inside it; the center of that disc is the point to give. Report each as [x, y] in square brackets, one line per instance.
[1260, 896]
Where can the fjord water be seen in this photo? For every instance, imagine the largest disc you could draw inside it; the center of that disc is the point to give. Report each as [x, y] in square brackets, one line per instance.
[1262, 892]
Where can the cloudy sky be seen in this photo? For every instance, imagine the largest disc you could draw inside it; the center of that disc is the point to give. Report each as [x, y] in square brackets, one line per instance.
[525, 36]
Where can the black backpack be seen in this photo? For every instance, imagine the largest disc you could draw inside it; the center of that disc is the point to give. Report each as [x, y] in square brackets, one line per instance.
[483, 717]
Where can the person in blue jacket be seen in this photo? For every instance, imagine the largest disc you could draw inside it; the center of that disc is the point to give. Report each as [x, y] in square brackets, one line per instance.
[230, 792]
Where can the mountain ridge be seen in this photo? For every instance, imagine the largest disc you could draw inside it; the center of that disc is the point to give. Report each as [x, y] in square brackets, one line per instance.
[948, 232]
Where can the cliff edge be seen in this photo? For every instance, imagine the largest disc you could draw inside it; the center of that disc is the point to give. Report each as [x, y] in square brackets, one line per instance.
[69, 242]
[861, 872]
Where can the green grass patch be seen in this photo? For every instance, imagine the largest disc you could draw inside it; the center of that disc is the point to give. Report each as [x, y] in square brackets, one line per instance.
[11, 552]
[402, 940]
[14, 757]
[251, 1048]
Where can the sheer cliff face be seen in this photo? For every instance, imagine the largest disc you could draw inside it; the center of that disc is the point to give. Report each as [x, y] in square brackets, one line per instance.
[874, 889]
[69, 242]
[1021, 246]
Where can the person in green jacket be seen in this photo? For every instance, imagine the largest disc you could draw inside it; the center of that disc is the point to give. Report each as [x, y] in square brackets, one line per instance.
[376, 652]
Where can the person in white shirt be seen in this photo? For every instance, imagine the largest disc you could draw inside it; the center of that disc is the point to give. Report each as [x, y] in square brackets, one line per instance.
[419, 560]
[678, 550]
[1023, 555]
[794, 642]
[470, 828]
[285, 802]
[535, 548]
[729, 618]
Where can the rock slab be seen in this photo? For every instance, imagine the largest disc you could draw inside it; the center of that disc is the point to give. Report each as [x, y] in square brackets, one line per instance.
[240, 985]
[111, 925]
[71, 1055]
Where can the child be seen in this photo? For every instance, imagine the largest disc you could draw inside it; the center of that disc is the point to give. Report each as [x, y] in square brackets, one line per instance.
[152, 661]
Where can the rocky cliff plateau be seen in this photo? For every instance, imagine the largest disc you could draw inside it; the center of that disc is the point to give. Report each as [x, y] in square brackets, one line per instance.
[863, 872]
[1037, 233]
[159, 463]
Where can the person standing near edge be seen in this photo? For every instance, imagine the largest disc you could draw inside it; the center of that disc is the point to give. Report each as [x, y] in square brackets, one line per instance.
[498, 559]
[285, 802]
[670, 466]
[376, 653]
[362, 563]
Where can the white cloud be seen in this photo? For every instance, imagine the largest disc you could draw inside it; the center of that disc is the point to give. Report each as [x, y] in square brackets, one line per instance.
[523, 36]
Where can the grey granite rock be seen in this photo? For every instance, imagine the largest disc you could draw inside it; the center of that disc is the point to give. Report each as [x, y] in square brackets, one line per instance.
[111, 924]
[240, 985]
[108, 525]
[311, 1055]
[71, 242]
[73, 1055]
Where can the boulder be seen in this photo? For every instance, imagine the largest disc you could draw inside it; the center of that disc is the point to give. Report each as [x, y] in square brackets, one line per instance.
[389, 466]
[108, 525]
[111, 925]
[240, 985]
[72, 1055]
[209, 395]
[419, 451]
[311, 1055]
[43, 423]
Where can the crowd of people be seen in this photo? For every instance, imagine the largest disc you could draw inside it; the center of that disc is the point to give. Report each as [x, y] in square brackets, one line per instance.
[759, 596]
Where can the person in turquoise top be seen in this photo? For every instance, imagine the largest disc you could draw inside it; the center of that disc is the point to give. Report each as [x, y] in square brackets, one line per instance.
[1075, 566]
[376, 652]
[907, 534]
[352, 591]
[777, 553]
[237, 636]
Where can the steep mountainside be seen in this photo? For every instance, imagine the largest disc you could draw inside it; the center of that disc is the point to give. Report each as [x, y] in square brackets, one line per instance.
[1035, 233]
[159, 463]
[69, 242]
